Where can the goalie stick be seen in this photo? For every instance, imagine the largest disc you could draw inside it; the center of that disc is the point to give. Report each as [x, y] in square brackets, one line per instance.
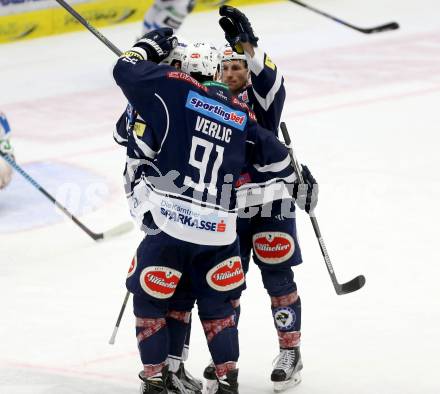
[377, 29]
[117, 230]
[340, 288]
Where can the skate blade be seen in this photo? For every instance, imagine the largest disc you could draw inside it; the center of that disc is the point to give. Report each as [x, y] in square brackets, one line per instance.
[293, 381]
[210, 386]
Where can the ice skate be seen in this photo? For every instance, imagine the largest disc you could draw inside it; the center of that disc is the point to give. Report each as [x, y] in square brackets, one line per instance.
[165, 383]
[190, 382]
[228, 385]
[287, 369]
[211, 383]
[154, 384]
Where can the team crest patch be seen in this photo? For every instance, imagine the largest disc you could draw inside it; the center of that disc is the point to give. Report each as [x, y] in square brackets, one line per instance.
[284, 318]
[273, 247]
[227, 275]
[159, 282]
[133, 267]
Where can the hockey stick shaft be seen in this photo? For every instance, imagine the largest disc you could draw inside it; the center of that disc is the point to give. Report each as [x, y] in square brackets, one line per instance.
[377, 29]
[95, 236]
[89, 27]
[118, 321]
[348, 287]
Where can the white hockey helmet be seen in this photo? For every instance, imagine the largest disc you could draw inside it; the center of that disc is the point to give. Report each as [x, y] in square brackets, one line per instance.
[201, 58]
[227, 54]
[177, 54]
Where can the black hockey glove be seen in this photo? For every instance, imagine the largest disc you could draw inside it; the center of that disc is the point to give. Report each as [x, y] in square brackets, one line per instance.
[306, 194]
[237, 28]
[158, 44]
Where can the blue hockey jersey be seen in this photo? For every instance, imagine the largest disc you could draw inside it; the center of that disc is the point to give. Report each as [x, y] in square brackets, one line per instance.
[186, 151]
[266, 93]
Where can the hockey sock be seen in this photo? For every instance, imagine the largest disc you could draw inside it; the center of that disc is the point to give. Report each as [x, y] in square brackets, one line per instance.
[222, 337]
[152, 337]
[177, 322]
[286, 311]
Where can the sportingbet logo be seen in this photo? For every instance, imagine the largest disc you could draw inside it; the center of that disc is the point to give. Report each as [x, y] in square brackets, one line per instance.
[216, 110]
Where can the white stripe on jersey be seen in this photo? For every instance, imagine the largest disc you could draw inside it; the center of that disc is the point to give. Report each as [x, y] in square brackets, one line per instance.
[118, 137]
[270, 97]
[256, 63]
[146, 150]
[168, 121]
[274, 167]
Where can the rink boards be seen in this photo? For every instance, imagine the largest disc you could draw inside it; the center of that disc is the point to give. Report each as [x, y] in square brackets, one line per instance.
[26, 19]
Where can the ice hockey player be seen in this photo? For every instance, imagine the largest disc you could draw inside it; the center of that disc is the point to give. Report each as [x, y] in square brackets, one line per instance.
[195, 141]
[5, 149]
[167, 13]
[171, 13]
[272, 237]
[177, 328]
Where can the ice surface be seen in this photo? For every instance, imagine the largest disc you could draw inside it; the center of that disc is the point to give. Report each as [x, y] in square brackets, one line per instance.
[363, 111]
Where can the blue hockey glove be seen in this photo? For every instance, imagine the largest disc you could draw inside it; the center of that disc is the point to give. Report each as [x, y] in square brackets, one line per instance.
[157, 44]
[306, 194]
[237, 27]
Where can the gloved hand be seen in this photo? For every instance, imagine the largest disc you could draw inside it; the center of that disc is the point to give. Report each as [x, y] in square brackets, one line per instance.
[157, 44]
[306, 194]
[237, 28]
[6, 147]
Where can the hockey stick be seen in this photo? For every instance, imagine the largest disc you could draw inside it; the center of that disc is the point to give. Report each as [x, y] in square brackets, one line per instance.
[89, 27]
[118, 320]
[377, 29]
[120, 229]
[344, 288]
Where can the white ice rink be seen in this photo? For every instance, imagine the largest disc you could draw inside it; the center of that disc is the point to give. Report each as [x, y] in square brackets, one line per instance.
[364, 111]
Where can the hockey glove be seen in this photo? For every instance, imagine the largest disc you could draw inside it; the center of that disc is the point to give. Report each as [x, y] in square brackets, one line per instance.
[306, 194]
[157, 44]
[237, 28]
[6, 147]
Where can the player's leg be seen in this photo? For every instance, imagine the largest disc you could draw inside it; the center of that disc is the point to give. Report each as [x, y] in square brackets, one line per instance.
[167, 13]
[179, 328]
[276, 250]
[218, 275]
[153, 278]
[286, 312]
[244, 233]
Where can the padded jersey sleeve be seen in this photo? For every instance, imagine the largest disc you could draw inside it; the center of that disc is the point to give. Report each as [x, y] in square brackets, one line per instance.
[274, 175]
[148, 90]
[267, 91]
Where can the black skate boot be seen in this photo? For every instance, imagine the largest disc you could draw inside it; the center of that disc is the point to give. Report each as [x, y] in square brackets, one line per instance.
[154, 384]
[229, 385]
[287, 366]
[211, 384]
[189, 381]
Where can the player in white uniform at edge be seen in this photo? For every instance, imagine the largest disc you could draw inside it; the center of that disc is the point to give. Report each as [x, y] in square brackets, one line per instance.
[5, 149]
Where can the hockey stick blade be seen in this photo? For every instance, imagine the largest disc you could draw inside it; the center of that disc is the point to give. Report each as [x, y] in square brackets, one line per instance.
[353, 285]
[377, 29]
[380, 29]
[118, 230]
